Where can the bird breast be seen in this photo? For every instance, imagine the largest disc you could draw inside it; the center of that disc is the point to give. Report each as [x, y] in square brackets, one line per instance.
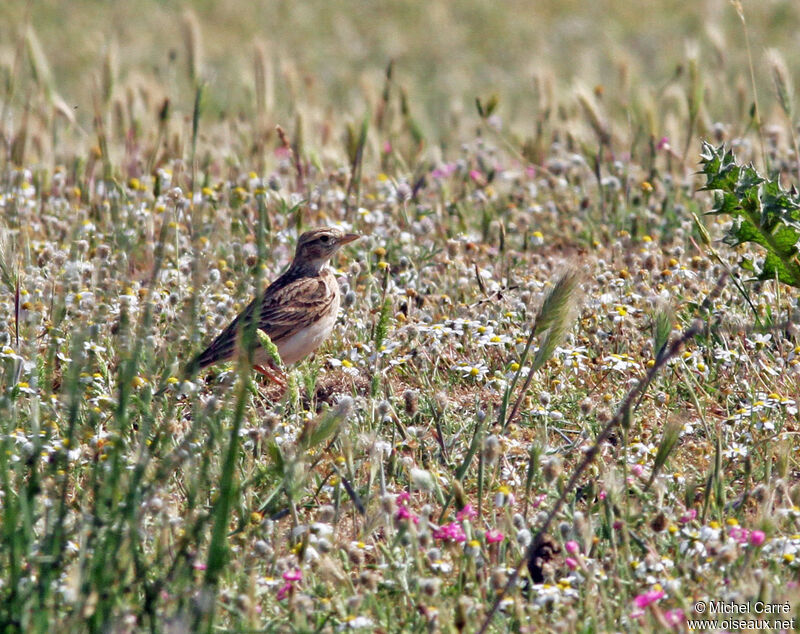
[301, 344]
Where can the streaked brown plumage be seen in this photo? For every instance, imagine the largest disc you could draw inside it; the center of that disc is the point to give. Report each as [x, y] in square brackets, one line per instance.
[297, 311]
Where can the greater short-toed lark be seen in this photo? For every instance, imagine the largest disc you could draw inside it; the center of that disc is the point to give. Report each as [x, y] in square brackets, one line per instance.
[297, 311]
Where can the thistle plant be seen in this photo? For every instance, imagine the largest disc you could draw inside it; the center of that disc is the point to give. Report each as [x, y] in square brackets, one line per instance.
[762, 212]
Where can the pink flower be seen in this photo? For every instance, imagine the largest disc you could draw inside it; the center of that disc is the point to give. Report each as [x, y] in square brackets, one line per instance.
[688, 516]
[199, 565]
[387, 147]
[284, 590]
[494, 537]
[647, 598]
[290, 576]
[530, 171]
[757, 538]
[404, 514]
[404, 498]
[601, 496]
[572, 547]
[450, 532]
[467, 513]
[293, 575]
[571, 563]
[663, 144]
[739, 534]
[537, 501]
[444, 171]
[675, 617]
[477, 177]
[617, 525]
[637, 470]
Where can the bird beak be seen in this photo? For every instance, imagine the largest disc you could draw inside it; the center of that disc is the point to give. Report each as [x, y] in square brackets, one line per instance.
[349, 237]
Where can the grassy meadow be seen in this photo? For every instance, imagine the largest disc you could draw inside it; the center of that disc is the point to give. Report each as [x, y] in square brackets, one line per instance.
[562, 391]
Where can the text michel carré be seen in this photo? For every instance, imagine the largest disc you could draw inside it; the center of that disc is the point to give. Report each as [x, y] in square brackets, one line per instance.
[758, 607]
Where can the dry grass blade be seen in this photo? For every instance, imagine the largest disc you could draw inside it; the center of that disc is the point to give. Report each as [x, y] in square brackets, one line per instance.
[8, 261]
[559, 304]
[193, 45]
[555, 316]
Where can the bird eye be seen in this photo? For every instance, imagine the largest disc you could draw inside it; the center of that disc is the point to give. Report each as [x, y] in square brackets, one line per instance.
[325, 239]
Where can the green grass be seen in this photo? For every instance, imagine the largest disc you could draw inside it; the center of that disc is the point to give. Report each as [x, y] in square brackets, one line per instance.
[554, 397]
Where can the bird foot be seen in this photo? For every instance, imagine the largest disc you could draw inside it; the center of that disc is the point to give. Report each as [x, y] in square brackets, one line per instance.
[275, 377]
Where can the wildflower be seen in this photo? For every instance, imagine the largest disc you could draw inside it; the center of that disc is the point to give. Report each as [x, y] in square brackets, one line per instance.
[477, 177]
[740, 535]
[744, 536]
[736, 450]
[675, 618]
[467, 513]
[440, 565]
[572, 564]
[361, 546]
[494, 537]
[8, 353]
[345, 364]
[503, 496]
[444, 171]
[725, 355]
[618, 362]
[760, 340]
[494, 340]
[648, 598]
[92, 347]
[403, 512]
[289, 577]
[477, 371]
[25, 388]
[572, 547]
[293, 575]
[711, 532]
[573, 358]
[355, 623]
[284, 590]
[473, 549]
[450, 532]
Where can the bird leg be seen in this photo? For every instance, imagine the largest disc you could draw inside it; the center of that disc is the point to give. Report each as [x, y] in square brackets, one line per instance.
[271, 375]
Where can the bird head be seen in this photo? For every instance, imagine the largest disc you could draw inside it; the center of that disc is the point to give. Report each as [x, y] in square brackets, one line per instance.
[317, 246]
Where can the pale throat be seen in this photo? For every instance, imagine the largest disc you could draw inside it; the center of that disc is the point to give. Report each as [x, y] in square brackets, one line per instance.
[311, 267]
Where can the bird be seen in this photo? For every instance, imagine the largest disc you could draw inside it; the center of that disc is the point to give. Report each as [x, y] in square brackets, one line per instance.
[298, 310]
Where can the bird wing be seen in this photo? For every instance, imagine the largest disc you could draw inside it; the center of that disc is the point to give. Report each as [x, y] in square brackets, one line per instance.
[295, 306]
[284, 309]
